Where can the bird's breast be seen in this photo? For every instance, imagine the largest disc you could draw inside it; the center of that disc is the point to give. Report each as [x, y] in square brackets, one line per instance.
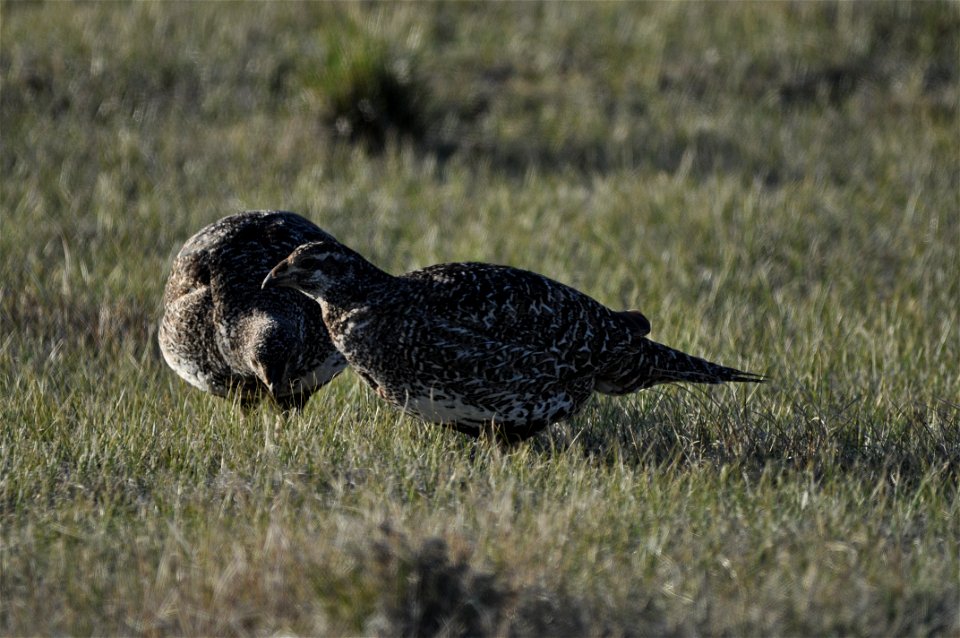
[351, 329]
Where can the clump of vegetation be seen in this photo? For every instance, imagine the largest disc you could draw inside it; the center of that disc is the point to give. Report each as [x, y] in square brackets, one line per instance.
[430, 588]
[370, 95]
[434, 587]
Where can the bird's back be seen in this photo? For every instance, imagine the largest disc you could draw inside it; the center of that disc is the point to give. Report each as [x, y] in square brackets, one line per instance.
[518, 306]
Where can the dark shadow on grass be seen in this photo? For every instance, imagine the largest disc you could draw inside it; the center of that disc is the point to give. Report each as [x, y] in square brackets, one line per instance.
[821, 436]
[699, 154]
[430, 588]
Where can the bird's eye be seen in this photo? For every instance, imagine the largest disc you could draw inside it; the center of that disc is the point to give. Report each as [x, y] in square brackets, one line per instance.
[314, 262]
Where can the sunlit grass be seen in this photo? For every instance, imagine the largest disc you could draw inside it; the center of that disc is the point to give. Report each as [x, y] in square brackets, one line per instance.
[775, 186]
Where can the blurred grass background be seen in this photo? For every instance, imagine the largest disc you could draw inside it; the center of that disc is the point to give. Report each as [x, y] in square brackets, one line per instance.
[776, 185]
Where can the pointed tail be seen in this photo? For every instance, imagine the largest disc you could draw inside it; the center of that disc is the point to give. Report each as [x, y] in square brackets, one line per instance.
[656, 363]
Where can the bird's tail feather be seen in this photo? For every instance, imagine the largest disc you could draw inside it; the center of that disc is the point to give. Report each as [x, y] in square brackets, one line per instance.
[656, 363]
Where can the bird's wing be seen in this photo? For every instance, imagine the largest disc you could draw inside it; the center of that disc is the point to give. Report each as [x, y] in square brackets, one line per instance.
[510, 306]
[479, 362]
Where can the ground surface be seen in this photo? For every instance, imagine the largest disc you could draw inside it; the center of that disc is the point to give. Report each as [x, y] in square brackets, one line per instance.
[774, 185]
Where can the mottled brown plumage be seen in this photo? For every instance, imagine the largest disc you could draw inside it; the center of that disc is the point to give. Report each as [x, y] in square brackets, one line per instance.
[221, 332]
[477, 345]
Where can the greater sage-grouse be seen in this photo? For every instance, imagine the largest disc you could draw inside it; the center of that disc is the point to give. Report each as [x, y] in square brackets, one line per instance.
[481, 347]
[221, 332]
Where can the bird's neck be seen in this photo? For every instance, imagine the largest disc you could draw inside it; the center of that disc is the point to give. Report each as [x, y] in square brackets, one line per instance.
[359, 291]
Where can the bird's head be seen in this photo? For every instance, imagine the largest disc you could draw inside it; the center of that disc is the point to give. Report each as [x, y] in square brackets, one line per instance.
[326, 271]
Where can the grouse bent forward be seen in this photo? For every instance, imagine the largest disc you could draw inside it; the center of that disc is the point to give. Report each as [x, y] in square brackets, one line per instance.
[478, 346]
[221, 332]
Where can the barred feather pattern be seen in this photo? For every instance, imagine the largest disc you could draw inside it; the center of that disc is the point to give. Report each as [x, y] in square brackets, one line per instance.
[220, 332]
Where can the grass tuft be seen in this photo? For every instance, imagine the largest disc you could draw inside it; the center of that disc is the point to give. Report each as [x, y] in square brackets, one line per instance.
[369, 95]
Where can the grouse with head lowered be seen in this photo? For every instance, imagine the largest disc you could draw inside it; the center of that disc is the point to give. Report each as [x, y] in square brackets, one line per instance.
[221, 332]
[481, 347]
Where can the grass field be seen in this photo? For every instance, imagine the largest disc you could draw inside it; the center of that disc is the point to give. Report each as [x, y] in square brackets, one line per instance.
[776, 186]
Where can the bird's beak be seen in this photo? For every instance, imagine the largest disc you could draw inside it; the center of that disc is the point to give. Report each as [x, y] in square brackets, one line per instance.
[275, 278]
